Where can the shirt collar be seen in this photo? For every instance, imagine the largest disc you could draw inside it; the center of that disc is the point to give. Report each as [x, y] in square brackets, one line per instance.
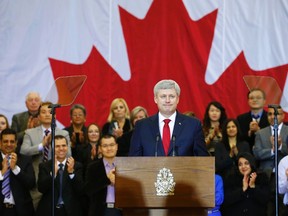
[172, 117]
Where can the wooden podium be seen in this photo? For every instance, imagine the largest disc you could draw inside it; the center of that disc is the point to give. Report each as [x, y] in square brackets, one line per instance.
[137, 178]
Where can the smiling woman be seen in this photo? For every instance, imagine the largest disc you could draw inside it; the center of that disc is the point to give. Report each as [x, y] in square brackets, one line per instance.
[246, 191]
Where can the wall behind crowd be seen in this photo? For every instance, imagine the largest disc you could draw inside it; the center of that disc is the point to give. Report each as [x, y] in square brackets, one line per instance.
[91, 52]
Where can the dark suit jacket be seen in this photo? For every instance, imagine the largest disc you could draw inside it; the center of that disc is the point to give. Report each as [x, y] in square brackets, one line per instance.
[244, 122]
[71, 193]
[251, 202]
[19, 123]
[225, 165]
[96, 183]
[75, 150]
[20, 185]
[188, 133]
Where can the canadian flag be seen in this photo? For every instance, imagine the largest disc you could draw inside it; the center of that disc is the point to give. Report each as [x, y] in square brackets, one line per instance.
[92, 51]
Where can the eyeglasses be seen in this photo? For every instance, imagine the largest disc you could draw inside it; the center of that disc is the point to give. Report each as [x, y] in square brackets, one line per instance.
[108, 145]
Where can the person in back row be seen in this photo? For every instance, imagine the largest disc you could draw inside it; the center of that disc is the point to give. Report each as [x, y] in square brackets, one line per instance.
[252, 121]
[27, 119]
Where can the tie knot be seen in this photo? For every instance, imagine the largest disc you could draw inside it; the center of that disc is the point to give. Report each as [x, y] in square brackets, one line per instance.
[46, 132]
[61, 166]
[166, 121]
[255, 116]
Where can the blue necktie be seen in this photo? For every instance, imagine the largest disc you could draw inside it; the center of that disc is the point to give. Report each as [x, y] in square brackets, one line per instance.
[256, 117]
[6, 181]
[60, 171]
[46, 148]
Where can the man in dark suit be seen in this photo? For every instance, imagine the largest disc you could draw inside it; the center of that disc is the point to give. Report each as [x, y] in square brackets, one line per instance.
[27, 119]
[17, 201]
[35, 140]
[100, 180]
[66, 197]
[264, 152]
[256, 118]
[185, 133]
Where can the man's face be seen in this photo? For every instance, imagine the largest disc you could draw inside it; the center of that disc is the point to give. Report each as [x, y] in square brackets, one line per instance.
[280, 116]
[256, 100]
[108, 147]
[45, 116]
[61, 149]
[8, 143]
[167, 101]
[33, 102]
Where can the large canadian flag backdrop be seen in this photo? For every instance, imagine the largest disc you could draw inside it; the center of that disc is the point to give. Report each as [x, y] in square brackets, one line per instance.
[92, 51]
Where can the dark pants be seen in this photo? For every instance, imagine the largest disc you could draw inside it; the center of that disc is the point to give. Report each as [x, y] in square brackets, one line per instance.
[8, 211]
[112, 212]
[60, 211]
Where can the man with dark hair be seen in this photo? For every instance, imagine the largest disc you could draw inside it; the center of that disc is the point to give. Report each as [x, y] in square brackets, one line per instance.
[16, 178]
[100, 180]
[68, 183]
[37, 143]
[252, 121]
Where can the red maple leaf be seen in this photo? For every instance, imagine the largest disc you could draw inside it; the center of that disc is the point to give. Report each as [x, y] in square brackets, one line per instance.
[167, 44]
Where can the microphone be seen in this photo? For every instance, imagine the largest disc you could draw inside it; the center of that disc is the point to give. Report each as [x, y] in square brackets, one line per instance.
[54, 106]
[173, 146]
[156, 145]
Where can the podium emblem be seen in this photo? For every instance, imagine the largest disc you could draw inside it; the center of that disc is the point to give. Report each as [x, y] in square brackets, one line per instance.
[165, 184]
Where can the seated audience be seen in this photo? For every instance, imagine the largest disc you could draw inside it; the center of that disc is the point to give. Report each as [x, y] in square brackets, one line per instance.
[227, 150]
[136, 114]
[246, 191]
[214, 117]
[118, 121]
[16, 178]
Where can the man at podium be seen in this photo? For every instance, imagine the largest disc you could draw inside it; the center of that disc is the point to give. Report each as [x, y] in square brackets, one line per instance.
[168, 133]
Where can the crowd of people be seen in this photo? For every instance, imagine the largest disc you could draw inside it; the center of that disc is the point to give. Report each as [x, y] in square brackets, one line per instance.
[84, 163]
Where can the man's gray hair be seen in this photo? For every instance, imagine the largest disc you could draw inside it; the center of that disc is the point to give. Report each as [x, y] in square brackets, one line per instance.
[167, 84]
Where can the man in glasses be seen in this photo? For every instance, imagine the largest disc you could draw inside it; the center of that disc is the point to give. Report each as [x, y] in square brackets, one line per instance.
[102, 191]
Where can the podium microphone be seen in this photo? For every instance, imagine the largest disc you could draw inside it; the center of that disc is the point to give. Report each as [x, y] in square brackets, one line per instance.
[156, 145]
[173, 145]
[54, 106]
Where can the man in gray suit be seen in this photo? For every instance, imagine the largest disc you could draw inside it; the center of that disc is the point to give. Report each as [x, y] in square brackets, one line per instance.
[27, 119]
[36, 140]
[264, 152]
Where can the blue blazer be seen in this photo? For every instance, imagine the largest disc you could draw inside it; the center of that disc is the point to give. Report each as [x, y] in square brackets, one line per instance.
[188, 138]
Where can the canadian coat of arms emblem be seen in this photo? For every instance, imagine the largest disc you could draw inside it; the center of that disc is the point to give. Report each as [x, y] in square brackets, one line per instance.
[165, 184]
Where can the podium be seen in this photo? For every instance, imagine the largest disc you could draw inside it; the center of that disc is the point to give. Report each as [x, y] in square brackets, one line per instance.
[175, 185]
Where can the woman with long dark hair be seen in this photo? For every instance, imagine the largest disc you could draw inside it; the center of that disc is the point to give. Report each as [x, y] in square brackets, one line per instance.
[246, 191]
[231, 145]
